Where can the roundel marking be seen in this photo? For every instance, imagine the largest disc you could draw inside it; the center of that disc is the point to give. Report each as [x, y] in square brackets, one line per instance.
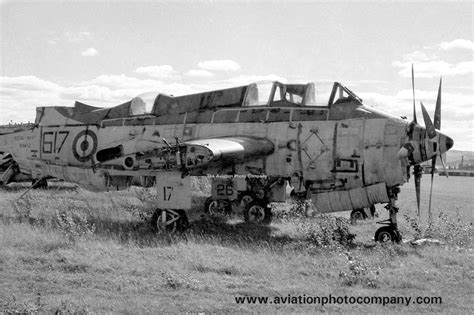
[84, 145]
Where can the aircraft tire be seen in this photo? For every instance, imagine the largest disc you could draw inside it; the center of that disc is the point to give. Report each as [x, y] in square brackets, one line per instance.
[258, 212]
[170, 221]
[387, 234]
[217, 207]
[358, 214]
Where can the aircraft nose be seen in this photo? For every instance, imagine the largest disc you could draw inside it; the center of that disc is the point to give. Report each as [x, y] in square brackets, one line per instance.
[445, 142]
[449, 143]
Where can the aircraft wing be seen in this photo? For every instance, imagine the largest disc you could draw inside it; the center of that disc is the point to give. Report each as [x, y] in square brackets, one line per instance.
[195, 154]
[234, 149]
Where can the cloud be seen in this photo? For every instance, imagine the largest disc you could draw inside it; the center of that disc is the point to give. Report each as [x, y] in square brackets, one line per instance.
[246, 79]
[90, 52]
[199, 73]
[121, 81]
[27, 82]
[160, 72]
[236, 81]
[457, 44]
[419, 56]
[76, 37]
[219, 65]
[21, 95]
[434, 68]
[428, 63]
[457, 112]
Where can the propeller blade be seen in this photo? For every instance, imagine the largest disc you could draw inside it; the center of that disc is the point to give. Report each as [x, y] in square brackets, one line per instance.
[437, 115]
[430, 129]
[437, 118]
[444, 165]
[413, 89]
[418, 170]
[433, 164]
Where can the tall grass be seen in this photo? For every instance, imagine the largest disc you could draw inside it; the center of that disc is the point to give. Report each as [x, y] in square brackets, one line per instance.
[84, 251]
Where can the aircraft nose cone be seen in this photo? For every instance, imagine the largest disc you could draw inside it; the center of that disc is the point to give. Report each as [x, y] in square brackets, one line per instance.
[449, 143]
[445, 143]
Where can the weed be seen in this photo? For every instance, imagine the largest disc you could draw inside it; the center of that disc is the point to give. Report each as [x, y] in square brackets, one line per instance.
[68, 307]
[22, 208]
[74, 225]
[11, 306]
[328, 231]
[450, 229]
[178, 281]
[454, 230]
[359, 273]
[415, 226]
[136, 210]
[300, 209]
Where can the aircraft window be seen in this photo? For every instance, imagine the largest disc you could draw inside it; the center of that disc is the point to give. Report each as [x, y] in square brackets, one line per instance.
[138, 106]
[260, 96]
[278, 94]
[143, 103]
[293, 98]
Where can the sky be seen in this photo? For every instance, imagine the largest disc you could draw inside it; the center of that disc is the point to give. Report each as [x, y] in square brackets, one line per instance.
[104, 53]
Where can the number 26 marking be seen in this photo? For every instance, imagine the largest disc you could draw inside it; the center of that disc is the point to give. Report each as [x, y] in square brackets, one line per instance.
[225, 190]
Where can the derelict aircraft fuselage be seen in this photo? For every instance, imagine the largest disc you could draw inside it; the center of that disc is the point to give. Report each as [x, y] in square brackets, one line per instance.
[342, 155]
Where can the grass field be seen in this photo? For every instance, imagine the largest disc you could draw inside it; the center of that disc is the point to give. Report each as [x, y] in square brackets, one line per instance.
[68, 250]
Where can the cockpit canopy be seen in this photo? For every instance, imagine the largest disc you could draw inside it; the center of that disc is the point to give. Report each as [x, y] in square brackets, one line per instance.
[269, 94]
[255, 94]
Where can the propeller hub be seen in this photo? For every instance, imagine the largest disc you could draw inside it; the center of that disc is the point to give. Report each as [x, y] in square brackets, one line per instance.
[423, 146]
[445, 143]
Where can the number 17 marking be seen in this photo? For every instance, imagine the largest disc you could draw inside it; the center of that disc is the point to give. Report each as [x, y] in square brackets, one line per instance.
[167, 192]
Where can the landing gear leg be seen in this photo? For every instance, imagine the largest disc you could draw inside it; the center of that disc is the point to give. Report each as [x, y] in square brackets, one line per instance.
[169, 220]
[390, 231]
[373, 211]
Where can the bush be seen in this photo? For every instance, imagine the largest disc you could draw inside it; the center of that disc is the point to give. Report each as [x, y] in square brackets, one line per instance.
[74, 225]
[327, 231]
[22, 208]
[321, 230]
[11, 306]
[300, 209]
[359, 273]
[451, 229]
[179, 281]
